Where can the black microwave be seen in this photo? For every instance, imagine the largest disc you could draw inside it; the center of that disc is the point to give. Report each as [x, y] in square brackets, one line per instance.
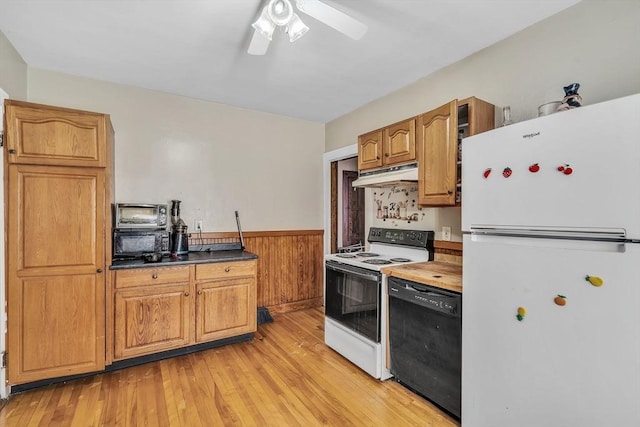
[134, 243]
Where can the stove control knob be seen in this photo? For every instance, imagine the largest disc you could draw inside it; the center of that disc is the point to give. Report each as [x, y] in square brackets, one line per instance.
[412, 236]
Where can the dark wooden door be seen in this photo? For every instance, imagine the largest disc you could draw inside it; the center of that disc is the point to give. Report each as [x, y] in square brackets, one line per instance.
[352, 210]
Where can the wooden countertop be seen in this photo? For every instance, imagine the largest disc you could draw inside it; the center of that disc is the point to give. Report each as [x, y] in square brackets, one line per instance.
[440, 274]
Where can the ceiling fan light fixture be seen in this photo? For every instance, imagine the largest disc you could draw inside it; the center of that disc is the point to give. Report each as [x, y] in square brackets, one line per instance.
[280, 12]
[296, 28]
[264, 25]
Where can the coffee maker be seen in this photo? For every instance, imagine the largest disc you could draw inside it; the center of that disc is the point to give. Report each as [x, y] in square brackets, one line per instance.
[179, 236]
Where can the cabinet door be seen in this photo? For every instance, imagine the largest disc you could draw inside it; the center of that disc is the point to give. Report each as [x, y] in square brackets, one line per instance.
[55, 272]
[149, 319]
[39, 134]
[400, 142]
[370, 150]
[225, 308]
[437, 154]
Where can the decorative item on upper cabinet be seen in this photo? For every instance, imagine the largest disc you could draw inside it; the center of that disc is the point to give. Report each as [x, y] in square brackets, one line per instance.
[437, 142]
[394, 144]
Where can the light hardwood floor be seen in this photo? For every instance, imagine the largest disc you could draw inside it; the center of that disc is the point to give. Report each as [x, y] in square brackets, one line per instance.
[286, 376]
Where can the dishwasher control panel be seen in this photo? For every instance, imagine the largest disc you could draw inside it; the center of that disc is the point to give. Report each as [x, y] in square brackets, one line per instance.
[426, 296]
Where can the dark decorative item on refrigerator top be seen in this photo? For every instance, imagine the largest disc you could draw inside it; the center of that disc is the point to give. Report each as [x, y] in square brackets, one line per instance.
[179, 236]
[571, 98]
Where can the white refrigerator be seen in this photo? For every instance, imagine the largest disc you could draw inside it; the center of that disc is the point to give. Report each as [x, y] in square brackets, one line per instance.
[551, 270]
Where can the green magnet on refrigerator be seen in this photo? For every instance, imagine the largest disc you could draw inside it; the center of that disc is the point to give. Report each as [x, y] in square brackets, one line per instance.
[521, 313]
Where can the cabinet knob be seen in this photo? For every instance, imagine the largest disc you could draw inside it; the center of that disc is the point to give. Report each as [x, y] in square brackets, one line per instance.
[199, 292]
[154, 276]
[386, 154]
[99, 270]
[449, 192]
[12, 151]
[186, 294]
[228, 269]
[377, 157]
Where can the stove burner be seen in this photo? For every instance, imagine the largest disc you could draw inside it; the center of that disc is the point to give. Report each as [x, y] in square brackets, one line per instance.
[378, 261]
[400, 259]
[367, 254]
[345, 255]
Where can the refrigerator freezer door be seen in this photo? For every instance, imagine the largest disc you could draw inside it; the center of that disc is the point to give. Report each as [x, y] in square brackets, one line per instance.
[561, 365]
[598, 149]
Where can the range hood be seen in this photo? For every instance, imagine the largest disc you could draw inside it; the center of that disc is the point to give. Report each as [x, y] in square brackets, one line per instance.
[405, 174]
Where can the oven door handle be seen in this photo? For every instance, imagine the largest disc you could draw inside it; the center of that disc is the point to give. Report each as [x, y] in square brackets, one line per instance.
[371, 276]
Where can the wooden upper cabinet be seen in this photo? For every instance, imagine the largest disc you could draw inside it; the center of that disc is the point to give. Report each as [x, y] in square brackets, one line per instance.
[439, 164]
[46, 135]
[437, 155]
[392, 145]
[370, 150]
[400, 142]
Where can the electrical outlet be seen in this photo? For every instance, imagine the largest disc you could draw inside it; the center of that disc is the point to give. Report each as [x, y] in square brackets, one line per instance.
[446, 233]
[198, 225]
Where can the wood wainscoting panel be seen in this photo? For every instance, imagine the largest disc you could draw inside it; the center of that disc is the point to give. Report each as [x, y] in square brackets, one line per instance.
[447, 251]
[290, 265]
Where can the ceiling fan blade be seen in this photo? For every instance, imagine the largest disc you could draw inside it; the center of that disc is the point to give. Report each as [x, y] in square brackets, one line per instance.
[333, 18]
[259, 44]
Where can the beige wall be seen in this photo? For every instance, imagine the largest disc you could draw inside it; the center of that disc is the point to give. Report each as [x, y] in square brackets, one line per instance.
[214, 158]
[595, 43]
[13, 71]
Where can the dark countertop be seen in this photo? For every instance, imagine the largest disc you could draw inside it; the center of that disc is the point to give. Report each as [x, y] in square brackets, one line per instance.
[192, 258]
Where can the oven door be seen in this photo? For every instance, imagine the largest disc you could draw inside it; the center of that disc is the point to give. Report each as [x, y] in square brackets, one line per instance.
[353, 298]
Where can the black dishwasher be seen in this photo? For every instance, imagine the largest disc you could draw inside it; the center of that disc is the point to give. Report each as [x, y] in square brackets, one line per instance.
[425, 340]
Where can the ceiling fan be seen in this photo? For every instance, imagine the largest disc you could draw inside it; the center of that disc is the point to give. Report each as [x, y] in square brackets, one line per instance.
[280, 13]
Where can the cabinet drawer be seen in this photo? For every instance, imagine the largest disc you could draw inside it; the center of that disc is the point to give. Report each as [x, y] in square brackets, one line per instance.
[222, 270]
[151, 276]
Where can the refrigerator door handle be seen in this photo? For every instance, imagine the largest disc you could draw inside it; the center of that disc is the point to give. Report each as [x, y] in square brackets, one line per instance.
[554, 242]
[592, 234]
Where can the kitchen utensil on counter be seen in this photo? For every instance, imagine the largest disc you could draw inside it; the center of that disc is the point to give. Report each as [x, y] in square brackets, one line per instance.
[179, 235]
[152, 257]
[239, 231]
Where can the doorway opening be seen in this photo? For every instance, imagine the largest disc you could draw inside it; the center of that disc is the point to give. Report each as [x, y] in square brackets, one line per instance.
[352, 233]
[344, 207]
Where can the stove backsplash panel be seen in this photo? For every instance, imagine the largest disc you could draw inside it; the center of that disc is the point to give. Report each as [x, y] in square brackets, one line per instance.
[397, 206]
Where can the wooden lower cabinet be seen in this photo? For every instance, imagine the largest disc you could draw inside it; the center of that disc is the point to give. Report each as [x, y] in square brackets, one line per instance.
[225, 308]
[155, 308]
[150, 319]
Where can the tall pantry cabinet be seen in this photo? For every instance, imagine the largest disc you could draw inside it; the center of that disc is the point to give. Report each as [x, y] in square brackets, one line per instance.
[58, 187]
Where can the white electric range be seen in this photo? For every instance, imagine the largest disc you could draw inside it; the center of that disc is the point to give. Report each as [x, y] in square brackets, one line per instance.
[356, 308]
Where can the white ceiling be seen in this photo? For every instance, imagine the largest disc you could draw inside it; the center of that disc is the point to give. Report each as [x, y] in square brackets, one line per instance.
[198, 48]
